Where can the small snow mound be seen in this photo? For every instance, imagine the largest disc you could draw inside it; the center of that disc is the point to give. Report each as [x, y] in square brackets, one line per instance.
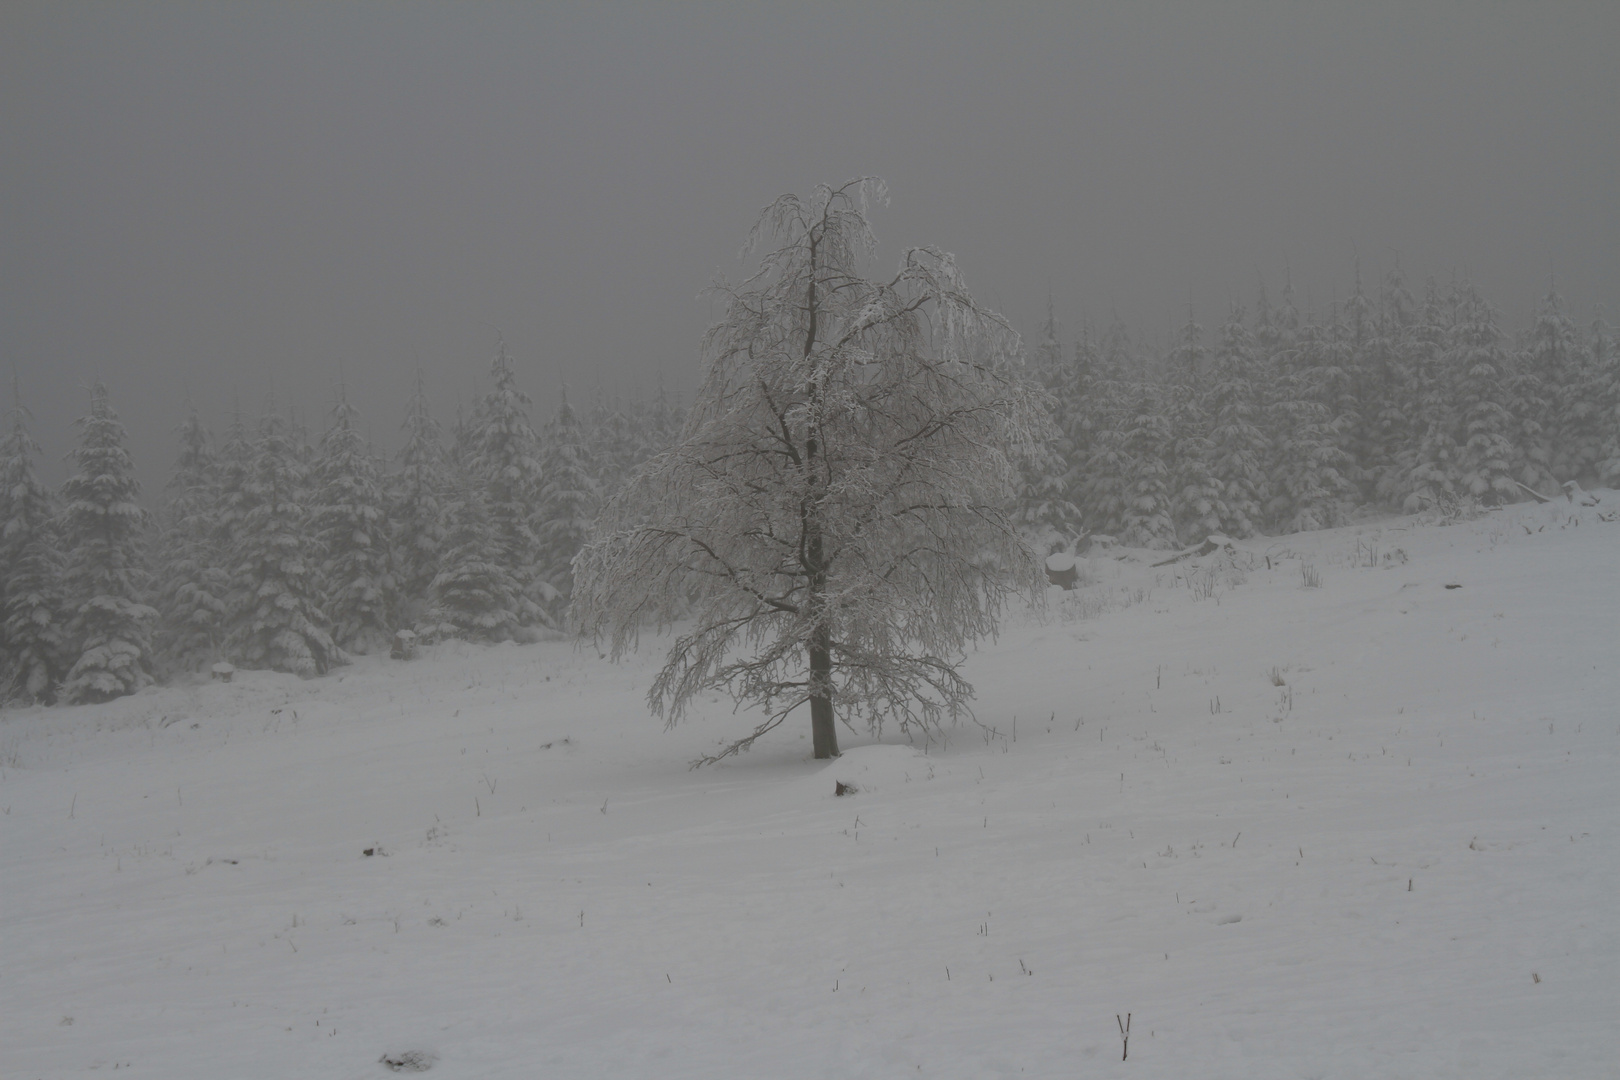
[410, 1060]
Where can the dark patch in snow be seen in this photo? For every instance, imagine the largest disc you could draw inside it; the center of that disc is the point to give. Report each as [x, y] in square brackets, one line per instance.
[410, 1060]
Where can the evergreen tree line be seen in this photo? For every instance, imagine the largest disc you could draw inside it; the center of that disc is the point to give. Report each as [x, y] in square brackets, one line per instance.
[1283, 424]
[273, 552]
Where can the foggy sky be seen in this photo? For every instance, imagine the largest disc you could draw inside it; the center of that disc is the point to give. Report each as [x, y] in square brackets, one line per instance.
[229, 201]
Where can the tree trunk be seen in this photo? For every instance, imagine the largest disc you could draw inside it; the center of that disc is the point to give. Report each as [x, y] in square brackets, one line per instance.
[823, 733]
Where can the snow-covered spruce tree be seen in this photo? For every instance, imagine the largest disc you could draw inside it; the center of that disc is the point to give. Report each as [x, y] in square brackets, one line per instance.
[1552, 397]
[834, 519]
[568, 500]
[1436, 461]
[101, 532]
[1237, 448]
[1185, 366]
[617, 445]
[1307, 470]
[277, 619]
[351, 530]
[473, 596]
[1043, 507]
[1197, 498]
[504, 456]
[192, 578]
[1605, 393]
[1390, 397]
[1148, 519]
[1072, 387]
[1098, 412]
[32, 609]
[1337, 356]
[1480, 360]
[417, 506]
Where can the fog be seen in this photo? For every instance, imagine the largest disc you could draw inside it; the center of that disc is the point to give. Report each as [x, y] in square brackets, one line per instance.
[251, 202]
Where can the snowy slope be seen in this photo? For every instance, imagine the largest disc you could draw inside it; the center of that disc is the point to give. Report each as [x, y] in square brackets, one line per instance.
[1366, 829]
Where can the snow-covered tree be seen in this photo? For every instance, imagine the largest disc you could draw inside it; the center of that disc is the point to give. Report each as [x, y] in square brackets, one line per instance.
[417, 504]
[1389, 400]
[1186, 362]
[1237, 447]
[568, 498]
[1552, 398]
[1197, 498]
[1605, 395]
[277, 619]
[1148, 519]
[1479, 361]
[504, 454]
[1044, 508]
[101, 530]
[32, 608]
[350, 527]
[1436, 459]
[193, 580]
[473, 596]
[834, 517]
[1308, 467]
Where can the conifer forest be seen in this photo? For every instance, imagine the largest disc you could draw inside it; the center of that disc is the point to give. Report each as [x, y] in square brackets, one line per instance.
[277, 545]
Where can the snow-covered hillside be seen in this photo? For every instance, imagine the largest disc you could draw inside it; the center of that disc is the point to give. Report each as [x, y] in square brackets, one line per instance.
[1362, 829]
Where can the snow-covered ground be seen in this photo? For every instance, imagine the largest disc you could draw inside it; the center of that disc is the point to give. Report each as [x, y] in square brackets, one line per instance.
[1366, 829]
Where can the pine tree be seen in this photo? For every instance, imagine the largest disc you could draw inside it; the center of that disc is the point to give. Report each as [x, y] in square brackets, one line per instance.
[32, 609]
[505, 456]
[1362, 401]
[1043, 508]
[1479, 361]
[193, 580]
[417, 507]
[1551, 400]
[1390, 396]
[1048, 353]
[473, 595]
[1308, 464]
[277, 619]
[1437, 461]
[1103, 411]
[1337, 379]
[1605, 395]
[569, 498]
[1148, 517]
[351, 529]
[1077, 392]
[102, 526]
[1197, 498]
[1186, 362]
[1237, 447]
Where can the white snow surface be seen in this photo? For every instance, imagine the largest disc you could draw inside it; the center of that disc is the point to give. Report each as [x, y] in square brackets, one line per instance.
[1400, 862]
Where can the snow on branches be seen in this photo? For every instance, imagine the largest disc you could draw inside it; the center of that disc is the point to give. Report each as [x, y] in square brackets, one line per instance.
[837, 514]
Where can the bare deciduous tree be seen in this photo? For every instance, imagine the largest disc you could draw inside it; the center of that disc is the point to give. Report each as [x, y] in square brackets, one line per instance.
[835, 519]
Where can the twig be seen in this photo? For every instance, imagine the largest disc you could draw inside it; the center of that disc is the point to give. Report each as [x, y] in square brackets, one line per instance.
[1125, 1034]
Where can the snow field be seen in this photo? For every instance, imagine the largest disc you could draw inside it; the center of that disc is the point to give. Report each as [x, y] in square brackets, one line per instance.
[1338, 831]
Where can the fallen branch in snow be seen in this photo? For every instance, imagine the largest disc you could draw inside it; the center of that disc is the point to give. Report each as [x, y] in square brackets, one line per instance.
[1124, 1033]
[1208, 547]
[1533, 493]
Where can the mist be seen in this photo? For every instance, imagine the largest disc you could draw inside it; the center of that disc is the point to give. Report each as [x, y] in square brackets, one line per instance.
[253, 203]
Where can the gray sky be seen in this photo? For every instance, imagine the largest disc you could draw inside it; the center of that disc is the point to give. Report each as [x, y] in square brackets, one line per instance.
[236, 199]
